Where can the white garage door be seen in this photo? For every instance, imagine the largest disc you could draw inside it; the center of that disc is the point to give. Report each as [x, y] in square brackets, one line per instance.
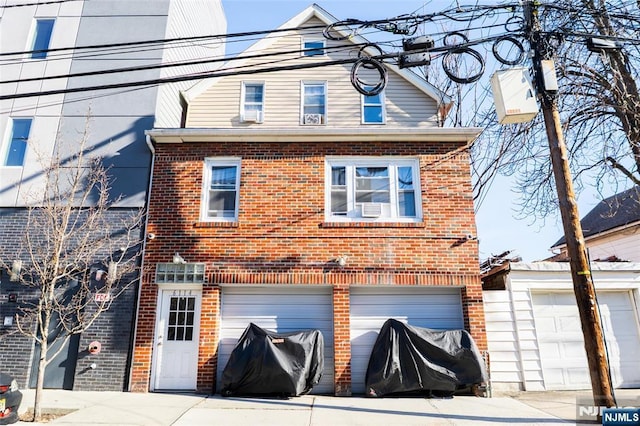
[429, 307]
[280, 309]
[561, 343]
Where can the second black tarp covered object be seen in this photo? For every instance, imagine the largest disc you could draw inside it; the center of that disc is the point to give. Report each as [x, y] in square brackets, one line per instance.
[414, 359]
[267, 363]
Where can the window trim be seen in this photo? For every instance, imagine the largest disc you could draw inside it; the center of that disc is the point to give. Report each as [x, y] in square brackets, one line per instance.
[310, 53]
[206, 179]
[386, 161]
[8, 139]
[363, 104]
[303, 84]
[243, 100]
[34, 36]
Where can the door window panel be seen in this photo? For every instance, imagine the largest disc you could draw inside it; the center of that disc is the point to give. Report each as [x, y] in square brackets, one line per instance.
[181, 318]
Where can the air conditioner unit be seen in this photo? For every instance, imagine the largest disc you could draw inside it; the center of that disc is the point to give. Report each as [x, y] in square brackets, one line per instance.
[252, 116]
[371, 209]
[312, 119]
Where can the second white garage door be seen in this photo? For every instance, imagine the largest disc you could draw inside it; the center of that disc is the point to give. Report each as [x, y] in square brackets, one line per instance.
[429, 307]
[280, 309]
[561, 343]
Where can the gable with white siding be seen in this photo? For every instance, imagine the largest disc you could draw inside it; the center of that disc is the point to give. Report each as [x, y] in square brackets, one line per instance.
[410, 101]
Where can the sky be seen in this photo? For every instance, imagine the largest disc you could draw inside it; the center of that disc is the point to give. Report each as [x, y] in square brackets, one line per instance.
[499, 228]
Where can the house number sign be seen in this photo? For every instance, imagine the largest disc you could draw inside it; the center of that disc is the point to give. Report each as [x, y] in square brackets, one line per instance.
[182, 293]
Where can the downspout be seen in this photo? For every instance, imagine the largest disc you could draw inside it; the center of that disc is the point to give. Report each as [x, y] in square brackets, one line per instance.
[144, 250]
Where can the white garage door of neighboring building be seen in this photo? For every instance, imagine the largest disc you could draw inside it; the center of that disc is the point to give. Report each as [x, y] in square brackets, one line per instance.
[429, 307]
[279, 309]
[561, 343]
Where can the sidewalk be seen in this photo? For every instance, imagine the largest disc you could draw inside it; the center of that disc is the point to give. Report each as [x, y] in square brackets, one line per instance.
[123, 408]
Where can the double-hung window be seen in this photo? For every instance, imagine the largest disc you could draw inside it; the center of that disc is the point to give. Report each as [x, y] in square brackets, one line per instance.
[313, 47]
[41, 38]
[373, 189]
[221, 190]
[314, 103]
[252, 102]
[373, 109]
[17, 143]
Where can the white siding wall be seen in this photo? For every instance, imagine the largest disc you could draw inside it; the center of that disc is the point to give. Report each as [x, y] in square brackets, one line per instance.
[625, 245]
[511, 333]
[504, 348]
[188, 18]
[512, 341]
[219, 106]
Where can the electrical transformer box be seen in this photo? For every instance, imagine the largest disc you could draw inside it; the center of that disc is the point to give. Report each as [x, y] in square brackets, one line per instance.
[514, 96]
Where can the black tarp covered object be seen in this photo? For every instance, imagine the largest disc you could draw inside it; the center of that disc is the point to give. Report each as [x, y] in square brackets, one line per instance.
[414, 359]
[264, 363]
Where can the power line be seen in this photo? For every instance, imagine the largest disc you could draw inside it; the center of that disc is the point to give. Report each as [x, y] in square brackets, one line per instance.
[71, 101]
[172, 64]
[198, 76]
[350, 27]
[460, 48]
[157, 41]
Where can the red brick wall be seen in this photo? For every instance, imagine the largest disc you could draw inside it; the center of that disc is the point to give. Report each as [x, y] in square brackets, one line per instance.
[342, 342]
[281, 236]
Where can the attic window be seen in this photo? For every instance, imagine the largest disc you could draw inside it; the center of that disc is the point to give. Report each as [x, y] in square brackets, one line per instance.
[313, 48]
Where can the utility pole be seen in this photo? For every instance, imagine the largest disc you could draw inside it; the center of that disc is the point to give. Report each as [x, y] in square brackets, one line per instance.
[580, 271]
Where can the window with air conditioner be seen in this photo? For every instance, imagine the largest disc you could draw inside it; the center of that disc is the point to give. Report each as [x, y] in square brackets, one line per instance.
[221, 190]
[252, 106]
[372, 189]
[314, 107]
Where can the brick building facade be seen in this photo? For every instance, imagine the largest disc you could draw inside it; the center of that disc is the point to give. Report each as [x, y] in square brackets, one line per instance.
[268, 221]
[36, 124]
[282, 238]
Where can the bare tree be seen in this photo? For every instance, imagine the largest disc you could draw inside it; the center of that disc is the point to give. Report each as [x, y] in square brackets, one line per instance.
[74, 260]
[599, 103]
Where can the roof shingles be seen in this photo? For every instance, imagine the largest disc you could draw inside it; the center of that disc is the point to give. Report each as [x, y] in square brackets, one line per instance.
[616, 211]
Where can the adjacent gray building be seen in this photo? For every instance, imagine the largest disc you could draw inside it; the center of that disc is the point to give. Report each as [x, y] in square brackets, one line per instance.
[76, 42]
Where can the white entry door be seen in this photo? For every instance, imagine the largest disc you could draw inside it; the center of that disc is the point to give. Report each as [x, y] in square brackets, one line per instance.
[177, 339]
